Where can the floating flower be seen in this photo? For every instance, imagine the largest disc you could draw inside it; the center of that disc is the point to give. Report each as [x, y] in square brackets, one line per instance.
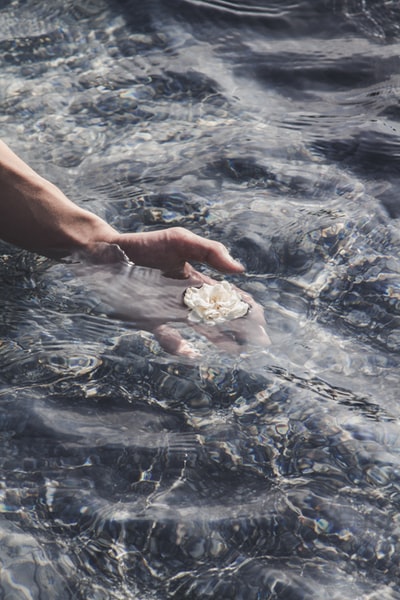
[214, 304]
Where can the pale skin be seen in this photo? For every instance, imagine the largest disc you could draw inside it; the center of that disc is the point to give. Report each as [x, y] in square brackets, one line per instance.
[37, 216]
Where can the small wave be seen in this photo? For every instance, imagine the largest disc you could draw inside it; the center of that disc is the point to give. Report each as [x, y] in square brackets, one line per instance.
[250, 9]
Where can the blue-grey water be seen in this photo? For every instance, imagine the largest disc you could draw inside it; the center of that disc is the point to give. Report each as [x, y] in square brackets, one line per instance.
[129, 473]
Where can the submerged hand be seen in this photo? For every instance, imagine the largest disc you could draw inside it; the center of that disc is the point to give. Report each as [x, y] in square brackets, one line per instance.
[37, 216]
[154, 302]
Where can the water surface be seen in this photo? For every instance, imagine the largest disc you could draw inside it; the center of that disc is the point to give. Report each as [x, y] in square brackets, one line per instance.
[127, 472]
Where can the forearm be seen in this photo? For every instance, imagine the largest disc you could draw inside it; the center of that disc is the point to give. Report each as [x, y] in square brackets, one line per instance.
[37, 216]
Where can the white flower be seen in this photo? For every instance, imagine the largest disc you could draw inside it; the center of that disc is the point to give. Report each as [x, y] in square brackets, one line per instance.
[214, 303]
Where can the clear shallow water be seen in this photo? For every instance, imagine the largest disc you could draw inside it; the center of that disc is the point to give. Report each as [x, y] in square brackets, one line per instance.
[127, 472]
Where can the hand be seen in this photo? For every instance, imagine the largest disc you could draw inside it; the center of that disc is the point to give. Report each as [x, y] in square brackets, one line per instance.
[154, 301]
[37, 216]
[169, 250]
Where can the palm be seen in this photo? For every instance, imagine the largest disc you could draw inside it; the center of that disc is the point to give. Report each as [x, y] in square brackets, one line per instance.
[152, 298]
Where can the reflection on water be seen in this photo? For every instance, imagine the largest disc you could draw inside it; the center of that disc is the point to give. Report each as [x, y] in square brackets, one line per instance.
[127, 472]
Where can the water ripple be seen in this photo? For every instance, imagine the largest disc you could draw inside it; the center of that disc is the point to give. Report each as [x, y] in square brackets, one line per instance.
[126, 472]
[252, 8]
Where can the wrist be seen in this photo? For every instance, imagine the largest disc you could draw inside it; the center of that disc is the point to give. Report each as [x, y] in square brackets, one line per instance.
[37, 216]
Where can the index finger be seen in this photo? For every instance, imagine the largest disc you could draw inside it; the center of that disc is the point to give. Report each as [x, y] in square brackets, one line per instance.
[213, 253]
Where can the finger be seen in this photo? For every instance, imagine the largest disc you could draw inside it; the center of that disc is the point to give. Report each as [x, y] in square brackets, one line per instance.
[252, 329]
[171, 341]
[215, 254]
[198, 249]
[253, 334]
[169, 250]
[223, 340]
[236, 335]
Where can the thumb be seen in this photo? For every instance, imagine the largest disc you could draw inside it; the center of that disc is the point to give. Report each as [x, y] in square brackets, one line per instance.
[215, 254]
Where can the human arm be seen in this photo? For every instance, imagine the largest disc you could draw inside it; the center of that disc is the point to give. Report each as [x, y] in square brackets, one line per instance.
[37, 216]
